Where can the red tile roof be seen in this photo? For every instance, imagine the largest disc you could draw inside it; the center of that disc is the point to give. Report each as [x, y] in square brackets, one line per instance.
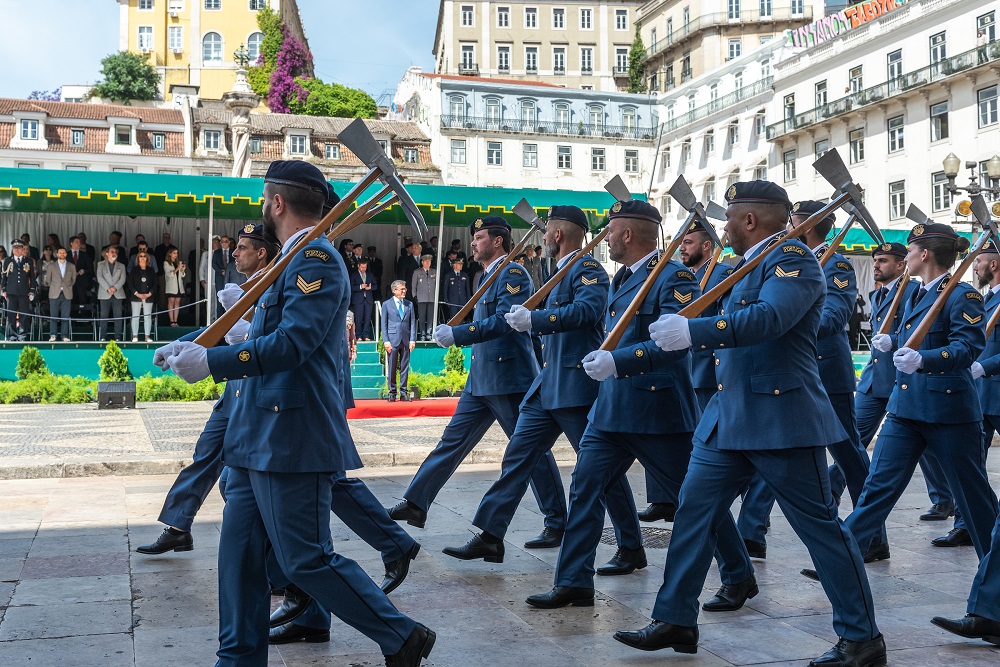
[92, 111]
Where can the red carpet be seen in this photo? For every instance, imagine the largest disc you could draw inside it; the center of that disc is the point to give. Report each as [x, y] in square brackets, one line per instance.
[383, 409]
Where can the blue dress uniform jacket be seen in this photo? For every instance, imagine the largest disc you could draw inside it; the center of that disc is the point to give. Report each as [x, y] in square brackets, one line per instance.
[879, 375]
[773, 314]
[456, 289]
[647, 378]
[833, 348]
[503, 361]
[575, 307]
[703, 361]
[954, 341]
[287, 397]
[989, 384]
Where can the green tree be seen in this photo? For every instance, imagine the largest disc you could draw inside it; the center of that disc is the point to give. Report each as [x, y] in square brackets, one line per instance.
[127, 76]
[259, 73]
[636, 62]
[454, 359]
[29, 362]
[333, 99]
[114, 365]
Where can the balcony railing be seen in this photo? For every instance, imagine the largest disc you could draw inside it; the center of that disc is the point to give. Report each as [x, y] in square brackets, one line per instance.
[586, 71]
[503, 69]
[468, 69]
[544, 127]
[621, 71]
[939, 71]
[531, 69]
[705, 21]
[724, 102]
[559, 70]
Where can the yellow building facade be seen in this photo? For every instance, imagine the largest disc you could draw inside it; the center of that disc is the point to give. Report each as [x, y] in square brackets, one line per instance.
[192, 42]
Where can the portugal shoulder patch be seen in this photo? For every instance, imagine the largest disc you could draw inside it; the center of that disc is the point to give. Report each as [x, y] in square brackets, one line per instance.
[974, 295]
[590, 262]
[516, 271]
[685, 275]
[794, 248]
[845, 266]
[316, 253]
[307, 287]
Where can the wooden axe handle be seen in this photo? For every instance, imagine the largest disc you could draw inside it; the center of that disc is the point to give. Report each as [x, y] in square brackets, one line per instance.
[831, 250]
[467, 308]
[712, 262]
[538, 297]
[904, 280]
[992, 323]
[918, 335]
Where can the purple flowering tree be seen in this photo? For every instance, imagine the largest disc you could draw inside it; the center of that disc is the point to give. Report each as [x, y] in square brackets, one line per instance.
[292, 61]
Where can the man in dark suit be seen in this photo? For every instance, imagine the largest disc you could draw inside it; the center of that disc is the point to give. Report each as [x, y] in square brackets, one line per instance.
[160, 251]
[224, 266]
[405, 267]
[140, 240]
[400, 334]
[91, 250]
[364, 287]
[84, 271]
[375, 267]
[32, 250]
[115, 241]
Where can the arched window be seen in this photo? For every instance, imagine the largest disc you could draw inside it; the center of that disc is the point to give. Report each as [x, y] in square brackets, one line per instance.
[596, 114]
[529, 115]
[211, 49]
[253, 46]
[493, 112]
[710, 189]
[562, 117]
[456, 110]
[628, 119]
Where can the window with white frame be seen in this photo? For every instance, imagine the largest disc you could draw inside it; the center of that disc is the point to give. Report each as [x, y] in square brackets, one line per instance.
[760, 123]
[710, 142]
[734, 134]
[628, 119]
[564, 157]
[83, 167]
[940, 197]
[211, 49]
[597, 159]
[458, 151]
[734, 176]
[735, 48]
[531, 18]
[596, 115]
[559, 60]
[503, 59]
[821, 93]
[670, 29]
[529, 114]
[765, 8]
[145, 42]
[939, 121]
[212, 140]
[788, 161]
[558, 18]
[456, 107]
[297, 144]
[586, 60]
[331, 151]
[586, 19]
[129, 170]
[257, 5]
[665, 158]
[894, 128]
[468, 16]
[494, 153]
[493, 112]
[384, 145]
[691, 102]
[529, 156]
[468, 56]
[254, 43]
[988, 24]
[29, 129]
[159, 141]
[939, 48]
[213, 5]
[685, 151]
[76, 138]
[621, 19]
[503, 17]
[738, 80]
[621, 60]
[798, 7]
[897, 200]
[123, 135]
[710, 189]
[562, 117]
[821, 148]
[855, 76]
[256, 145]
[894, 64]
[175, 37]
[760, 171]
[686, 19]
[670, 114]
[765, 67]
[531, 59]
[987, 102]
[175, 6]
[856, 139]
[145, 5]
[631, 161]
[713, 93]
[734, 9]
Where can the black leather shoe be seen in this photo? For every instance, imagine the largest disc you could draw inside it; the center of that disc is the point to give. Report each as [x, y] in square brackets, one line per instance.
[658, 635]
[877, 552]
[289, 632]
[549, 538]
[733, 596]
[391, 399]
[408, 512]
[170, 539]
[755, 549]
[563, 596]
[956, 537]
[846, 653]
[938, 512]
[477, 548]
[292, 606]
[625, 561]
[396, 571]
[416, 647]
[658, 511]
[810, 573]
[971, 627]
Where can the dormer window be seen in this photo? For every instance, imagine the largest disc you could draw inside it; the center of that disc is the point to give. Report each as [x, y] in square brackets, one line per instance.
[212, 140]
[297, 144]
[123, 135]
[29, 130]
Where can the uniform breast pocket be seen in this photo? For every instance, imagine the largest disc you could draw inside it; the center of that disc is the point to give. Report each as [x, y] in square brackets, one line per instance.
[278, 399]
[502, 354]
[647, 314]
[744, 298]
[268, 313]
[652, 382]
[945, 384]
[775, 384]
[574, 360]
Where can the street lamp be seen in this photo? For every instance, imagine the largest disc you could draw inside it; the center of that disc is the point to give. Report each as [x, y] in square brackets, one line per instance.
[951, 166]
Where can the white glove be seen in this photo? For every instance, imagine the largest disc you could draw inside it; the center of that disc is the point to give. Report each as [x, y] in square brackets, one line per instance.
[977, 370]
[671, 332]
[519, 318]
[189, 361]
[444, 336]
[229, 295]
[882, 342]
[907, 360]
[238, 333]
[600, 365]
[161, 354]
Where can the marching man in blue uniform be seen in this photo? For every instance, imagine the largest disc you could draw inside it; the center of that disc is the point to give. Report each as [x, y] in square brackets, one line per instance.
[764, 339]
[571, 324]
[696, 254]
[278, 490]
[645, 410]
[503, 368]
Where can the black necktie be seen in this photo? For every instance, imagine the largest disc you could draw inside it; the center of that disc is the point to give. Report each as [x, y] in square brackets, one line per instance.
[919, 295]
[622, 277]
[880, 296]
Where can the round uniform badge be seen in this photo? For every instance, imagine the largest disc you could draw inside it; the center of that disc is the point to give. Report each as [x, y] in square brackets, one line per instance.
[886, 247]
[918, 230]
[721, 324]
[479, 223]
[639, 353]
[244, 356]
[616, 207]
[552, 318]
[248, 229]
[731, 193]
[796, 207]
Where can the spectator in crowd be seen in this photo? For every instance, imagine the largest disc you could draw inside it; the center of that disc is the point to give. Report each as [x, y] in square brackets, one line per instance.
[533, 263]
[375, 266]
[399, 330]
[142, 283]
[355, 257]
[546, 264]
[174, 272]
[91, 251]
[3, 253]
[140, 240]
[456, 288]
[456, 246]
[111, 277]
[142, 246]
[224, 268]
[53, 240]
[352, 339]
[160, 251]
[48, 257]
[405, 267]
[32, 250]
[854, 323]
[346, 247]
[203, 273]
[364, 287]
[981, 42]
[60, 276]
[19, 285]
[521, 259]
[84, 270]
[115, 240]
[424, 281]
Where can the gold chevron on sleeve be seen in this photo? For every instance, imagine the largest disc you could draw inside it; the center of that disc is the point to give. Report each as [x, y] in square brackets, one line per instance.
[972, 320]
[307, 287]
[683, 298]
[592, 281]
[841, 283]
[781, 273]
[512, 289]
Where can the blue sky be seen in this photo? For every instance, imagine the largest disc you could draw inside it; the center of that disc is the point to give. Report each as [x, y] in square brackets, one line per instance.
[48, 43]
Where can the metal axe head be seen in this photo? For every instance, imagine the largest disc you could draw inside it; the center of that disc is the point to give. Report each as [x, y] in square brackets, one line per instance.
[682, 194]
[526, 212]
[981, 210]
[831, 167]
[916, 215]
[409, 206]
[617, 188]
[716, 212]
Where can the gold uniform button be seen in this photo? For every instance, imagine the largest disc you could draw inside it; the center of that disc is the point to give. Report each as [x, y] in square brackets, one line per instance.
[276, 408]
[908, 326]
[244, 377]
[777, 391]
[653, 388]
[612, 313]
[743, 302]
[579, 366]
[947, 391]
[905, 387]
[879, 319]
[703, 347]
[237, 393]
[717, 362]
[876, 360]
[225, 379]
[820, 356]
[545, 365]
[720, 387]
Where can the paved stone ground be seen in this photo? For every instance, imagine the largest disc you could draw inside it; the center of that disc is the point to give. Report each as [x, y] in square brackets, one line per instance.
[73, 593]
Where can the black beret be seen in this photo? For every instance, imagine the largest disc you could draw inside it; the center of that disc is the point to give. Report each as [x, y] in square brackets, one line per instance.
[489, 222]
[895, 249]
[298, 174]
[697, 226]
[457, 260]
[252, 231]
[808, 207]
[757, 192]
[934, 230]
[332, 199]
[635, 209]
[456, 241]
[990, 246]
[570, 214]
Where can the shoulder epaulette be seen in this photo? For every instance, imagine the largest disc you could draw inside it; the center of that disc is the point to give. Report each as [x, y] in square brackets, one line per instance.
[653, 262]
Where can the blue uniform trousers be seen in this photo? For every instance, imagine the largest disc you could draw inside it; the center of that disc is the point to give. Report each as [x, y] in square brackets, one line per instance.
[937, 482]
[292, 511]
[851, 458]
[473, 417]
[195, 482]
[655, 492]
[536, 432]
[604, 458]
[990, 423]
[984, 600]
[799, 479]
[959, 450]
[869, 411]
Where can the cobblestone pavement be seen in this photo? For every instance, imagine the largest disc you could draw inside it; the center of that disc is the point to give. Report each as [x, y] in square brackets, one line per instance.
[73, 592]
